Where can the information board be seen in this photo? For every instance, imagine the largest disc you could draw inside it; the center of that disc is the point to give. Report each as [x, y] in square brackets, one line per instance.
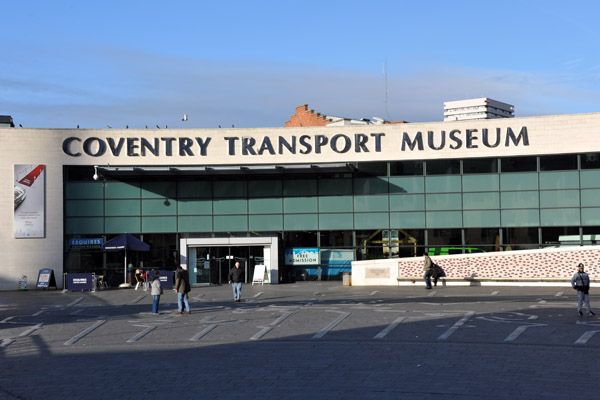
[46, 279]
[259, 274]
[80, 282]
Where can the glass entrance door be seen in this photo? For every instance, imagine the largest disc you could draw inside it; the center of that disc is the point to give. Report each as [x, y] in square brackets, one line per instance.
[211, 265]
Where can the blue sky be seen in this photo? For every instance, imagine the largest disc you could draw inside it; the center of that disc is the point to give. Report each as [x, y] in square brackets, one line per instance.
[250, 63]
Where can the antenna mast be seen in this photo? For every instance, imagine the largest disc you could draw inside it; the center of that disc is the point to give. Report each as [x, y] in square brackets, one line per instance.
[385, 75]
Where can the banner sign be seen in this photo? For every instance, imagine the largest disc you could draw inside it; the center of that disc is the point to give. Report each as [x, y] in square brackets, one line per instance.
[91, 243]
[302, 256]
[166, 278]
[30, 200]
[80, 282]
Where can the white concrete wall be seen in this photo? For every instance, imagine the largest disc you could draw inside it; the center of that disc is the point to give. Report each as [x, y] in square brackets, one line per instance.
[551, 266]
[28, 256]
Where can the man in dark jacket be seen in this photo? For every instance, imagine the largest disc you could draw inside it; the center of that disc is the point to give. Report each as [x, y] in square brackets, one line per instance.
[182, 288]
[236, 277]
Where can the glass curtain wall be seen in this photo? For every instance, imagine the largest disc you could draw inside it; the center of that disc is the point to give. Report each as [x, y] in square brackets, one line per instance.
[381, 210]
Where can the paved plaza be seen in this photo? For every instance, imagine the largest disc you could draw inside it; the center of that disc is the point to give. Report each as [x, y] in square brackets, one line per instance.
[308, 340]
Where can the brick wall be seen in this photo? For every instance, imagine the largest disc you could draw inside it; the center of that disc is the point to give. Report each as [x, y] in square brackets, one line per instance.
[306, 117]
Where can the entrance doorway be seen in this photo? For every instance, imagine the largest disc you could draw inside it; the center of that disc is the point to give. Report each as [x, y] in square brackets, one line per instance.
[209, 260]
[214, 263]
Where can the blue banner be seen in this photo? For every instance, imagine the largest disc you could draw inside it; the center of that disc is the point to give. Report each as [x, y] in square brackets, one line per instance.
[166, 278]
[80, 282]
[86, 243]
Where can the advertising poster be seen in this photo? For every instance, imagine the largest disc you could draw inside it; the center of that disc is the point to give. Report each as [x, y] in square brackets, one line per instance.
[303, 256]
[30, 199]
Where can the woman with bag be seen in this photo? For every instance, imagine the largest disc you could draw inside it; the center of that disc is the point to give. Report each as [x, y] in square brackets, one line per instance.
[156, 291]
[581, 283]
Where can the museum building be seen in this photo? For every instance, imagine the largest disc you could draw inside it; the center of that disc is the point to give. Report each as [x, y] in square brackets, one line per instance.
[304, 201]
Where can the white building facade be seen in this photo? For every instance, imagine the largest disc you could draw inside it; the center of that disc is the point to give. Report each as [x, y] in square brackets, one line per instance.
[303, 202]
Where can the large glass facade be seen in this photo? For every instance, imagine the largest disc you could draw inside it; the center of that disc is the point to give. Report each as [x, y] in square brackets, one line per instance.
[379, 210]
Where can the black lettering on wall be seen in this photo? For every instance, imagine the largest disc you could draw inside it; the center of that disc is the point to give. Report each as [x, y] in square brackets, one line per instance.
[458, 141]
[66, 146]
[88, 143]
[347, 143]
[417, 142]
[146, 145]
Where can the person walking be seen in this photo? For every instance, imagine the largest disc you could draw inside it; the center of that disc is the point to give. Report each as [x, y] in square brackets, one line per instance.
[182, 288]
[581, 283]
[427, 269]
[236, 277]
[156, 291]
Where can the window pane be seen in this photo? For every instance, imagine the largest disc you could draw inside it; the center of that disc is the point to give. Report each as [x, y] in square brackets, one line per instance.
[122, 207]
[590, 197]
[443, 167]
[301, 222]
[371, 220]
[230, 206]
[122, 190]
[84, 208]
[590, 216]
[159, 207]
[591, 235]
[590, 161]
[520, 217]
[373, 168]
[195, 224]
[561, 162]
[519, 181]
[336, 204]
[481, 183]
[265, 205]
[336, 238]
[590, 179]
[444, 219]
[123, 224]
[84, 190]
[229, 189]
[230, 223]
[407, 185]
[479, 201]
[152, 189]
[266, 222]
[554, 236]
[299, 204]
[482, 237]
[194, 189]
[520, 199]
[400, 168]
[448, 201]
[188, 207]
[265, 188]
[441, 184]
[370, 186]
[407, 219]
[480, 165]
[444, 237]
[300, 187]
[84, 225]
[159, 224]
[407, 202]
[518, 164]
[559, 180]
[299, 239]
[559, 216]
[559, 198]
[481, 218]
[371, 203]
[519, 238]
[336, 221]
[333, 187]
